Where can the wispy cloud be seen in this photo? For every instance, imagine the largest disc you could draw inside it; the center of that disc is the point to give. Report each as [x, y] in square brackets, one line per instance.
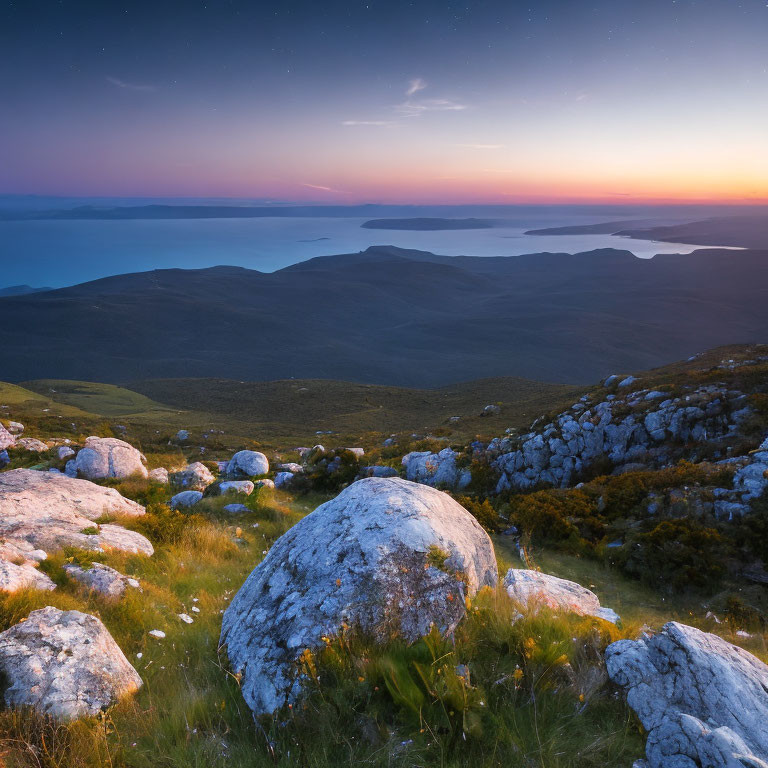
[481, 146]
[130, 86]
[416, 85]
[368, 122]
[411, 108]
[323, 188]
[414, 107]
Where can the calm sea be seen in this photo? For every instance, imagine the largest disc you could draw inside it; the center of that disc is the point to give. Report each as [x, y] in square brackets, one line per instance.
[59, 253]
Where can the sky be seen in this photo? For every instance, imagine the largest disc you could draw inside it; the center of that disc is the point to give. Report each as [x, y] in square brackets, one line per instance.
[386, 100]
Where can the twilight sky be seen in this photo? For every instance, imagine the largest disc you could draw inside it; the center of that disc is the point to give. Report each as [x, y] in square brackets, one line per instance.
[386, 100]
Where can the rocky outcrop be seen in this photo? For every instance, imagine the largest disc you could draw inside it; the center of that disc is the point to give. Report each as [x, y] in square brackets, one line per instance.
[703, 701]
[64, 664]
[46, 510]
[643, 426]
[247, 464]
[533, 588]
[101, 578]
[439, 470]
[386, 556]
[195, 477]
[103, 457]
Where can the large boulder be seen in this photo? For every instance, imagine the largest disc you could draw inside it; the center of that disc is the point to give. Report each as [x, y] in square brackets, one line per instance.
[195, 477]
[247, 464]
[64, 664]
[48, 511]
[532, 588]
[103, 457]
[703, 701]
[386, 556]
[185, 499]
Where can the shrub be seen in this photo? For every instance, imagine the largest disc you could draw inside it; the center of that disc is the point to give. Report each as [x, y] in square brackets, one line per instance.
[483, 512]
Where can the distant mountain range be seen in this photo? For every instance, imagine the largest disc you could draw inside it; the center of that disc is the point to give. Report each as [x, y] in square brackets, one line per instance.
[21, 290]
[392, 316]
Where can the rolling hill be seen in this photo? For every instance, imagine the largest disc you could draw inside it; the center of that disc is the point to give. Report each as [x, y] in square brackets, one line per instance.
[392, 316]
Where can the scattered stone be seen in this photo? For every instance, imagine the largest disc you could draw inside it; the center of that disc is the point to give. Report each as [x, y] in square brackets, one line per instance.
[64, 452]
[182, 435]
[236, 509]
[195, 477]
[64, 664]
[14, 577]
[157, 633]
[358, 452]
[291, 466]
[101, 578]
[109, 457]
[384, 555]
[15, 427]
[237, 486]
[703, 701]
[283, 479]
[32, 444]
[535, 588]
[491, 410]
[185, 499]
[186, 618]
[247, 464]
[265, 483]
[7, 440]
[159, 475]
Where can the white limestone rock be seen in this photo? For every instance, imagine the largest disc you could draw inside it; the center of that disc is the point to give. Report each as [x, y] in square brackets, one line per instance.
[7, 440]
[185, 499]
[14, 577]
[438, 470]
[247, 464]
[32, 444]
[195, 477]
[103, 457]
[245, 487]
[48, 511]
[101, 578]
[532, 588]
[703, 701]
[159, 475]
[64, 664]
[361, 558]
[15, 427]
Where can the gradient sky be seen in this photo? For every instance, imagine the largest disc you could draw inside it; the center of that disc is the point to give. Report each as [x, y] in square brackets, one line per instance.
[386, 101]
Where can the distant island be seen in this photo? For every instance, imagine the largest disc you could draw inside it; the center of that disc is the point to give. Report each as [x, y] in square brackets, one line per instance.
[428, 225]
[742, 231]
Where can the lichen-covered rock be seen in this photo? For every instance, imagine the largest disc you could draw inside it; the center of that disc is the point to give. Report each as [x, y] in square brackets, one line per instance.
[48, 511]
[247, 464]
[7, 440]
[14, 577]
[195, 477]
[533, 588]
[64, 664]
[103, 457]
[386, 556]
[703, 701]
[159, 475]
[245, 487]
[101, 578]
[32, 444]
[283, 479]
[15, 427]
[185, 499]
[439, 470]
